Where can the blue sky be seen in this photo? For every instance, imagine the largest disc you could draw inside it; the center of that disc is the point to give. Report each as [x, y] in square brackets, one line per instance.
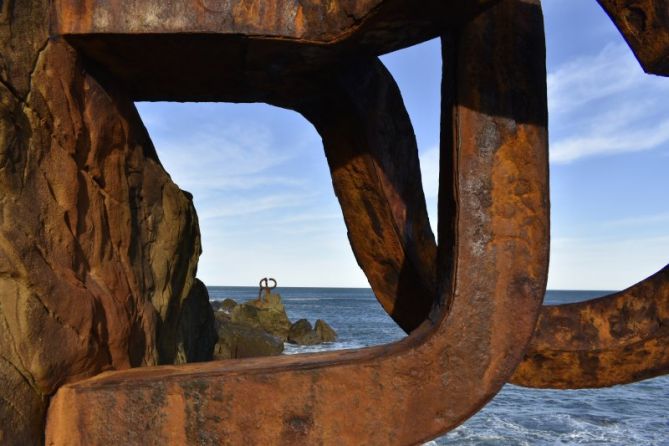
[265, 200]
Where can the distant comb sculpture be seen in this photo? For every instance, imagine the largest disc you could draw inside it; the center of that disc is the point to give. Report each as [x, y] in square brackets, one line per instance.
[98, 248]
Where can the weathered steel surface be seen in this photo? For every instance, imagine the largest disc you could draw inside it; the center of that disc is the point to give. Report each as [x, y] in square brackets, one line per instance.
[265, 51]
[553, 362]
[623, 337]
[364, 25]
[616, 339]
[410, 391]
[149, 46]
[474, 298]
[373, 158]
[645, 26]
[389, 233]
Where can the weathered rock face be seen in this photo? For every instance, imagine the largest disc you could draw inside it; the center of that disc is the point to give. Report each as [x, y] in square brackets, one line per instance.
[226, 305]
[259, 328]
[236, 340]
[497, 184]
[98, 247]
[197, 330]
[268, 315]
[302, 333]
[324, 331]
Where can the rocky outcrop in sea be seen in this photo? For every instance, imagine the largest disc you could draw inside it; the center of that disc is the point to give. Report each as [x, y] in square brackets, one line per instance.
[260, 327]
[302, 333]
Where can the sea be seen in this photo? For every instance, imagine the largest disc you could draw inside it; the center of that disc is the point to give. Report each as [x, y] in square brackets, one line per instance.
[633, 414]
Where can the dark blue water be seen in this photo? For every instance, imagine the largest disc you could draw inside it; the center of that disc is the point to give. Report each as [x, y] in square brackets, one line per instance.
[635, 414]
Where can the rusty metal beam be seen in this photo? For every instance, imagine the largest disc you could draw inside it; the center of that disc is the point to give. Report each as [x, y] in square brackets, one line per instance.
[635, 347]
[645, 26]
[373, 158]
[616, 339]
[413, 390]
[374, 26]
[218, 50]
[623, 337]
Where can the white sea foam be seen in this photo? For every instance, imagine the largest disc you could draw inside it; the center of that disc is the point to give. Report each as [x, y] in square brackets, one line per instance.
[292, 349]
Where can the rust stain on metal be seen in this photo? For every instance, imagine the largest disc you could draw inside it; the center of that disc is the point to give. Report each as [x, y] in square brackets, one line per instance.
[471, 302]
[465, 355]
[620, 338]
[615, 339]
[645, 26]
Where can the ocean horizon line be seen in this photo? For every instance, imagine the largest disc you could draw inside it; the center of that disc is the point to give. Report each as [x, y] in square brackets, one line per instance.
[589, 290]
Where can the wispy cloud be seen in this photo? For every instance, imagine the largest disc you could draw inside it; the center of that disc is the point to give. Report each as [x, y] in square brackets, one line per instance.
[310, 217]
[227, 159]
[429, 167]
[261, 188]
[247, 206]
[588, 78]
[618, 141]
[605, 104]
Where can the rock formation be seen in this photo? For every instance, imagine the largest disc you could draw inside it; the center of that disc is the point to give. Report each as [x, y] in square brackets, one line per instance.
[236, 340]
[324, 331]
[98, 247]
[259, 328]
[197, 330]
[225, 305]
[268, 315]
[302, 333]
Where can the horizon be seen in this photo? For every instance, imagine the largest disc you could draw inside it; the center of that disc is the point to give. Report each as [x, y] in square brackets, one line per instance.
[369, 288]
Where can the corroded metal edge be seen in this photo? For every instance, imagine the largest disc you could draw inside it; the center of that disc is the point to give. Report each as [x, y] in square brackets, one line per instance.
[377, 25]
[622, 337]
[645, 26]
[444, 372]
[616, 339]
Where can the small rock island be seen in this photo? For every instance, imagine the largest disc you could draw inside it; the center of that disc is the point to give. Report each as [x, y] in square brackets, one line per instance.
[260, 327]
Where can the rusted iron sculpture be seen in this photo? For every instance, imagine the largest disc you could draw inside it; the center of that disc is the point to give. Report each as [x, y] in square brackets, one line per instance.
[264, 288]
[470, 302]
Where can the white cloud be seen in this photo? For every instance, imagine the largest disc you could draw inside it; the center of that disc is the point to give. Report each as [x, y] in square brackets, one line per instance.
[605, 104]
[245, 206]
[588, 78]
[311, 217]
[262, 191]
[429, 169]
[227, 159]
[613, 142]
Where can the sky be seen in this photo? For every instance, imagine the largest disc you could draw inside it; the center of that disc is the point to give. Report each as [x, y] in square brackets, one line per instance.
[265, 200]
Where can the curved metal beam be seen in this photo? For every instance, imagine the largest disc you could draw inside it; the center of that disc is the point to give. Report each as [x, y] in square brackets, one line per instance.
[369, 26]
[413, 390]
[645, 26]
[149, 46]
[371, 150]
[622, 337]
[616, 339]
